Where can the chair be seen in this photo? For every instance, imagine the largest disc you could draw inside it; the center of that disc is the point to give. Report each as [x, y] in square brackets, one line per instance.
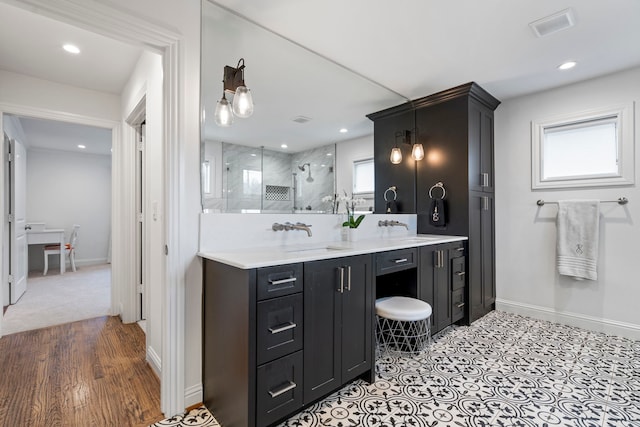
[403, 326]
[70, 249]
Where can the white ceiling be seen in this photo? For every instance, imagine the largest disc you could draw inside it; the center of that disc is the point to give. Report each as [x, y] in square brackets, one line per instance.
[413, 47]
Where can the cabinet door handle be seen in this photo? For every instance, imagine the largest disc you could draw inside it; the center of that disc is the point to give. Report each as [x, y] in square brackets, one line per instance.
[460, 305]
[485, 203]
[461, 273]
[440, 259]
[460, 249]
[286, 388]
[283, 328]
[485, 180]
[349, 278]
[341, 290]
[398, 261]
[282, 281]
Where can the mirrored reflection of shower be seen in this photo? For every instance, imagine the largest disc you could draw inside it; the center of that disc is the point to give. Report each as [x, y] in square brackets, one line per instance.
[303, 169]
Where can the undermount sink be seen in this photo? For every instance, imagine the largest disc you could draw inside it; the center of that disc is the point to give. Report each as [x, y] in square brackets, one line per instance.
[314, 249]
[420, 239]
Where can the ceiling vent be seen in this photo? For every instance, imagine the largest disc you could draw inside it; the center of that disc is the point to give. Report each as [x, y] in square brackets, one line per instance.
[553, 23]
[301, 119]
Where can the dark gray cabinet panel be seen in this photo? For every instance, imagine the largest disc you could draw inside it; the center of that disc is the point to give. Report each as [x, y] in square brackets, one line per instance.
[481, 292]
[338, 323]
[439, 265]
[279, 390]
[403, 175]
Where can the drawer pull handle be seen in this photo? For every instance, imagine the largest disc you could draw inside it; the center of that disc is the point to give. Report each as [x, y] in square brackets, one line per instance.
[281, 281]
[398, 261]
[460, 305]
[461, 273]
[286, 327]
[284, 389]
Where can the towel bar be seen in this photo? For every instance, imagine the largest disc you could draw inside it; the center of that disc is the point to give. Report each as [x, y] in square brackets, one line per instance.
[620, 201]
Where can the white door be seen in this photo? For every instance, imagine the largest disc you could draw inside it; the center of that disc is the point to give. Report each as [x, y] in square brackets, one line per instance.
[140, 237]
[18, 220]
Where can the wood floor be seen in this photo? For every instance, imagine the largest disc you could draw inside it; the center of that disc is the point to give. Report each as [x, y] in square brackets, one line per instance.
[86, 373]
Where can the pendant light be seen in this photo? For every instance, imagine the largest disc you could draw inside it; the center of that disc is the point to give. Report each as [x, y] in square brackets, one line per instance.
[242, 106]
[396, 155]
[417, 151]
[224, 113]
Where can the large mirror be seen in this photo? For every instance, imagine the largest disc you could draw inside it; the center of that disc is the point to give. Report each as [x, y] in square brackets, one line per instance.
[283, 158]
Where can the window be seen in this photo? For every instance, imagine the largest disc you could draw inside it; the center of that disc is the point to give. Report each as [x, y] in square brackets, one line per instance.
[583, 150]
[363, 178]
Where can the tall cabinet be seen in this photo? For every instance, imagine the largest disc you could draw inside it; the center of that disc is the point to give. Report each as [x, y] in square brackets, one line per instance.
[455, 127]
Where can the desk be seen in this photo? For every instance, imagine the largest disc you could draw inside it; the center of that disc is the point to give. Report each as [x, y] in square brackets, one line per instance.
[50, 236]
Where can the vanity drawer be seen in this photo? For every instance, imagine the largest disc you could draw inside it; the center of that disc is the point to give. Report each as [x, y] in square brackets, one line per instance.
[279, 389]
[457, 251]
[402, 259]
[458, 273]
[457, 305]
[280, 326]
[279, 280]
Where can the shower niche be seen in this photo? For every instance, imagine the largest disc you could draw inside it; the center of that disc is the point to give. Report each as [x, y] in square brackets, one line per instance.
[237, 178]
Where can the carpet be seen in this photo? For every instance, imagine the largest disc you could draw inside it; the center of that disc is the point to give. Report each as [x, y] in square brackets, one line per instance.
[56, 299]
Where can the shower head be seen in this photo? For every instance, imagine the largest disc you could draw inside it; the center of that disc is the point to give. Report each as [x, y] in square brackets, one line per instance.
[302, 168]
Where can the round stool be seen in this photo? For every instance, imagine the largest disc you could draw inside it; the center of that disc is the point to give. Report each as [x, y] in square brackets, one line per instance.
[403, 325]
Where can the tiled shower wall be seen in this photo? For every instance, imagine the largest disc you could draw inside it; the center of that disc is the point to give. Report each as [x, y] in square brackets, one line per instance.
[255, 179]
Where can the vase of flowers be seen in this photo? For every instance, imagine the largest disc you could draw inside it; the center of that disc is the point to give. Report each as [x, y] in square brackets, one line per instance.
[352, 222]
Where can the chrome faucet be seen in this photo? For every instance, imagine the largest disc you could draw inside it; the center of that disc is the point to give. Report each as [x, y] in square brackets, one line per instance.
[392, 223]
[289, 226]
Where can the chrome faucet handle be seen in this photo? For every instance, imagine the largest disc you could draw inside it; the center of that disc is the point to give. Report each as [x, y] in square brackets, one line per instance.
[382, 223]
[277, 227]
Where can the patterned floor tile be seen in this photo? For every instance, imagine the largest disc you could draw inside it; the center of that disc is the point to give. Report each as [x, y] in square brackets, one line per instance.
[504, 370]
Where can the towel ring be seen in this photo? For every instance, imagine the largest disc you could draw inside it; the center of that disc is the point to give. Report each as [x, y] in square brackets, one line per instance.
[439, 185]
[392, 189]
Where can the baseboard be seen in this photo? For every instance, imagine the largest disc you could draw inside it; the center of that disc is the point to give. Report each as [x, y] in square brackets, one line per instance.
[597, 324]
[87, 261]
[193, 396]
[154, 360]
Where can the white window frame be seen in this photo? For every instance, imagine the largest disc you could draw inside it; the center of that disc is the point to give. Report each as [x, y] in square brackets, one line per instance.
[623, 115]
[365, 194]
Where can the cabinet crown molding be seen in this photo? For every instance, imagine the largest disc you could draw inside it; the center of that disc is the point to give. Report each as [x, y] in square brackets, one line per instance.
[471, 89]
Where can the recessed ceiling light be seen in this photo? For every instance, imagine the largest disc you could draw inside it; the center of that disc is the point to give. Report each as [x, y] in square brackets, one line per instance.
[253, 154]
[344, 130]
[567, 65]
[82, 146]
[329, 154]
[71, 48]
[284, 146]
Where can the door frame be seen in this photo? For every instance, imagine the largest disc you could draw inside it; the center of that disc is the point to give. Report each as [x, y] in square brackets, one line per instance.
[120, 25]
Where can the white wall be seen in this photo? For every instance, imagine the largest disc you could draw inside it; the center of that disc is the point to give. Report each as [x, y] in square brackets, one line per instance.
[527, 281]
[184, 18]
[146, 80]
[17, 89]
[66, 188]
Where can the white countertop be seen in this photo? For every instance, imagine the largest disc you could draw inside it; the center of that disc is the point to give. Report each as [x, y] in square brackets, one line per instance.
[268, 256]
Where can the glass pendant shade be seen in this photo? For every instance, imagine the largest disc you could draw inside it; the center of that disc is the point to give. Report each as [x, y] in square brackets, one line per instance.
[242, 102]
[223, 114]
[396, 155]
[417, 152]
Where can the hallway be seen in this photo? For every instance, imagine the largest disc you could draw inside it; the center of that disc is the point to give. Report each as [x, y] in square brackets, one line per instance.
[90, 372]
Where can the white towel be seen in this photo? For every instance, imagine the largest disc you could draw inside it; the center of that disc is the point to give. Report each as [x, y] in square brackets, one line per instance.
[577, 244]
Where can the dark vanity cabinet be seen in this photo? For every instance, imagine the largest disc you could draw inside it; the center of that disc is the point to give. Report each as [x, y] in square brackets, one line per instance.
[277, 338]
[456, 129]
[338, 302]
[442, 282]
